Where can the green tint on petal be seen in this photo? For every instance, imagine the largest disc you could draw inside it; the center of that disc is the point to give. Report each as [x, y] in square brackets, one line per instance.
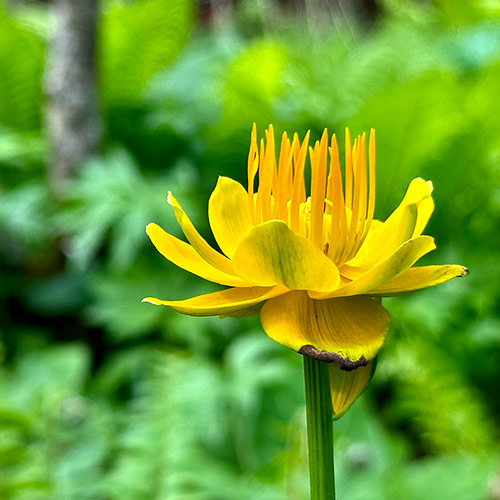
[402, 259]
[224, 303]
[352, 328]
[213, 257]
[417, 278]
[346, 386]
[273, 254]
[229, 214]
[184, 255]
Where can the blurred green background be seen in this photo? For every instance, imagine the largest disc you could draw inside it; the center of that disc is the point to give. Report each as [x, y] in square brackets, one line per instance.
[104, 398]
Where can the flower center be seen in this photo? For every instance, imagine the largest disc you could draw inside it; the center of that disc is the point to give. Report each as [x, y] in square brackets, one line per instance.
[337, 215]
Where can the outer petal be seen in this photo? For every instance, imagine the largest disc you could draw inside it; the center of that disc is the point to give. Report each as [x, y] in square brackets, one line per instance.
[223, 303]
[417, 278]
[229, 214]
[346, 386]
[348, 331]
[407, 221]
[418, 190]
[425, 209]
[273, 254]
[213, 257]
[404, 257]
[383, 243]
[183, 255]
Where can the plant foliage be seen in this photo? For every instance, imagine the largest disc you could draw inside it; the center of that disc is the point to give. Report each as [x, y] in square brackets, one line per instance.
[102, 397]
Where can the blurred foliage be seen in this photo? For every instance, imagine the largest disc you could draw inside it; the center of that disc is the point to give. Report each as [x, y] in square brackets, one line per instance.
[20, 90]
[128, 58]
[102, 397]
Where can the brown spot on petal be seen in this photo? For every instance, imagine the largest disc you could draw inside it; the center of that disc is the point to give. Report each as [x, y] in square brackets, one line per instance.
[332, 357]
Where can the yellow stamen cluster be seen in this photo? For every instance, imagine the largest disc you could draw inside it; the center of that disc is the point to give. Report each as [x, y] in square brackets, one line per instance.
[337, 215]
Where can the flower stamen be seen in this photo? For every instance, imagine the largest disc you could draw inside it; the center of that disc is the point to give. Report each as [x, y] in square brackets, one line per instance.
[282, 189]
[338, 214]
[338, 227]
[253, 166]
[299, 189]
[348, 170]
[371, 194]
[318, 185]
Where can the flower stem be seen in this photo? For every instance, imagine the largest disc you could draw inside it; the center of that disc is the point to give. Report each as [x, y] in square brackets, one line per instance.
[319, 429]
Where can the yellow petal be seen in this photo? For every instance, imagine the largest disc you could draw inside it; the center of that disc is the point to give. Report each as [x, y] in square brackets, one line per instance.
[346, 386]
[402, 259]
[418, 193]
[407, 221]
[425, 209]
[224, 303]
[418, 190]
[348, 331]
[417, 278]
[213, 257]
[387, 239]
[184, 255]
[229, 214]
[272, 254]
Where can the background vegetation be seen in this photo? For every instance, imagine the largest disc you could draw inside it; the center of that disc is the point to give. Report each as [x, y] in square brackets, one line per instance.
[102, 397]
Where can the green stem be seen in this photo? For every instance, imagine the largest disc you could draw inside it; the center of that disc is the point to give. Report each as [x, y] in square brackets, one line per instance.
[319, 429]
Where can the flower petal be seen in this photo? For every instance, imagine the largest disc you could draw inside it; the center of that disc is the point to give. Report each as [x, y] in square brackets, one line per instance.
[419, 194]
[417, 278]
[402, 259]
[425, 209]
[273, 254]
[407, 221]
[418, 190]
[346, 386]
[348, 331]
[213, 257]
[223, 303]
[184, 255]
[229, 214]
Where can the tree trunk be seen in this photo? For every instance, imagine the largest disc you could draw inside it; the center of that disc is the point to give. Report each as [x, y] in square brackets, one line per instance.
[72, 115]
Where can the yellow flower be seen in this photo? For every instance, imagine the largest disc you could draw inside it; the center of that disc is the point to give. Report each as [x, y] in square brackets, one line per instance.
[315, 266]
